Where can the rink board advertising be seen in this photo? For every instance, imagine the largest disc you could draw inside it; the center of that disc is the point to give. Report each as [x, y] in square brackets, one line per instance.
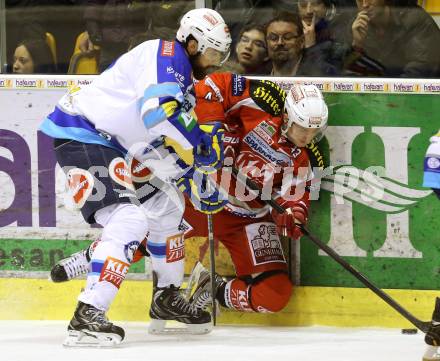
[371, 209]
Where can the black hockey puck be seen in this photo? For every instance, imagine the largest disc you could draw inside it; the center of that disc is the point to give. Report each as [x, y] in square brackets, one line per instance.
[409, 331]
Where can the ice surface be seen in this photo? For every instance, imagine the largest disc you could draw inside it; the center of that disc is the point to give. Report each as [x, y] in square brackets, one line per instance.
[41, 341]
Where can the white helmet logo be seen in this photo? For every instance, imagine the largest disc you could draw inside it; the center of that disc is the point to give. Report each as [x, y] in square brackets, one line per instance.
[211, 19]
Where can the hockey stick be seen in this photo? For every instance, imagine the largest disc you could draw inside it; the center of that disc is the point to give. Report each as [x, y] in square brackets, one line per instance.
[212, 261]
[421, 325]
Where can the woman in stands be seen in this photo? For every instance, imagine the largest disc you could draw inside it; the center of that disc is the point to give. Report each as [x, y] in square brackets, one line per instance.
[32, 56]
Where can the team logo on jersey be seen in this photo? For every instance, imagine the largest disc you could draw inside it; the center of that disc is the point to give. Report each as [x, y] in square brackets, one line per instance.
[187, 121]
[80, 186]
[238, 85]
[175, 248]
[258, 168]
[140, 173]
[114, 271]
[264, 243]
[433, 164]
[120, 173]
[129, 250]
[167, 48]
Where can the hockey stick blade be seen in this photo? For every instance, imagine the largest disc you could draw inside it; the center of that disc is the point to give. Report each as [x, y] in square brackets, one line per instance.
[421, 325]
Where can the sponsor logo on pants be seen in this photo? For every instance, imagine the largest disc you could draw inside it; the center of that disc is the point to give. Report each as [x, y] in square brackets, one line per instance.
[175, 248]
[264, 244]
[114, 271]
[239, 300]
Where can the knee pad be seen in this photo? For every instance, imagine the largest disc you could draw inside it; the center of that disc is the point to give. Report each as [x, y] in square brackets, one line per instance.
[124, 225]
[270, 292]
[163, 214]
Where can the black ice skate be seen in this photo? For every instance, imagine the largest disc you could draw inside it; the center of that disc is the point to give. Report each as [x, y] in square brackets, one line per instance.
[71, 267]
[201, 297]
[90, 327]
[432, 337]
[168, 304]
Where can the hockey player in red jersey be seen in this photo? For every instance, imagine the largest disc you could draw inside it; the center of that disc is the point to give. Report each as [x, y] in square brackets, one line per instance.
[266, 132]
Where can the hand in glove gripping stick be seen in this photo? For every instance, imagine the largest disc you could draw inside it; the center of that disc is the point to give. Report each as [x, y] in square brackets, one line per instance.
[202, 192]
[209, 155]
[288, 222]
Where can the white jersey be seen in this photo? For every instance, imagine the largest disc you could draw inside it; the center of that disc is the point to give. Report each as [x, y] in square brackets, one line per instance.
[146, 94]
[431, 176]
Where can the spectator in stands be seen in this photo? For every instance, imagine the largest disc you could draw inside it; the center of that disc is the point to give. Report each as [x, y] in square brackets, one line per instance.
[285, 43]
[32, 56]
[251, 51]
[27, 19]
[323, 21]
[286, 49]
[394, 38]
[239, 13]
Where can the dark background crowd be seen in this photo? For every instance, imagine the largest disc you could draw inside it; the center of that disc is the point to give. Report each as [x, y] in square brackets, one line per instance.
[380, 38]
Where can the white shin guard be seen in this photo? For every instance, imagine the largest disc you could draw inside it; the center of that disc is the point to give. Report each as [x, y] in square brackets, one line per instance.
[165, 240]
[125, 226]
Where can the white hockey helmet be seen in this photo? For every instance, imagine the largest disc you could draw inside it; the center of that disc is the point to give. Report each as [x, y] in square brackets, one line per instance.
[305, 106]
[208, 28]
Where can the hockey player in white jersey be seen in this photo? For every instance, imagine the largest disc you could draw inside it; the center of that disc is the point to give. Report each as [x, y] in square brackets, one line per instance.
[431, 176]
[125, 114]
[431, 179]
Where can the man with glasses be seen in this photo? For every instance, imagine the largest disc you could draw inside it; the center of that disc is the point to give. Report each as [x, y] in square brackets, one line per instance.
[286, 49]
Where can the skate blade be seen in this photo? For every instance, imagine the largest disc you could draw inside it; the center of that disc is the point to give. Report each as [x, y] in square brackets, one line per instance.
[432, 353]
[165, 327]
[193, 280]
[91, 339]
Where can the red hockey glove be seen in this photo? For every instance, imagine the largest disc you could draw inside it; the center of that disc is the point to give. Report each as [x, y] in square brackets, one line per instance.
[287, 222]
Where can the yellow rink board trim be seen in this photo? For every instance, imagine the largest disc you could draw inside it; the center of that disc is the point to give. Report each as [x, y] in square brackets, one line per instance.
[37, 299]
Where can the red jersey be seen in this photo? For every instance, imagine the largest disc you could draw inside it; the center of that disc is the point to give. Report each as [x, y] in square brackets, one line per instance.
[252, 112]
